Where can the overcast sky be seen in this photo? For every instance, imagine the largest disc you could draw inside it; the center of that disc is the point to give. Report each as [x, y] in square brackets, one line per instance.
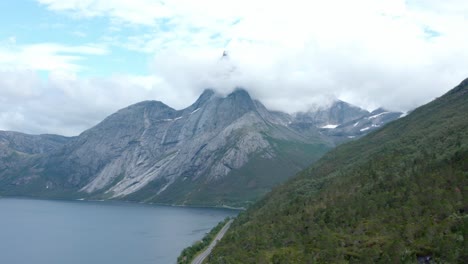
[66, 64]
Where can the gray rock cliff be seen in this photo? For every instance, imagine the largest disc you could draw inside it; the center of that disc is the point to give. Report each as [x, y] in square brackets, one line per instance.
[218, 151]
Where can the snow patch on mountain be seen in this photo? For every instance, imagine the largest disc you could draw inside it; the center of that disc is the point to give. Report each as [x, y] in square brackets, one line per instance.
[329, 126]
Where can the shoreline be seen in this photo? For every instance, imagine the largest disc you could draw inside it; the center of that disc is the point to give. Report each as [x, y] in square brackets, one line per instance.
[124, 201]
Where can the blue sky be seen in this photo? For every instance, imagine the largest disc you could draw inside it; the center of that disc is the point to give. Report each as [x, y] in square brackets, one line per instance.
[67, 64]
[31, 23]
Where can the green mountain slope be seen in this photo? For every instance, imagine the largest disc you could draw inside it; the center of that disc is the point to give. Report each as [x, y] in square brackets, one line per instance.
[394, 196]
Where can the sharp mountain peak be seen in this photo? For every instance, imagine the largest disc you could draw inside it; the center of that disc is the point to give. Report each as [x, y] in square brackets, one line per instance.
[148, 150]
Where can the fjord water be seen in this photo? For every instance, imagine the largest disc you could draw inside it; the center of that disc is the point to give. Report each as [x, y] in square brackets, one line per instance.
[57, 232]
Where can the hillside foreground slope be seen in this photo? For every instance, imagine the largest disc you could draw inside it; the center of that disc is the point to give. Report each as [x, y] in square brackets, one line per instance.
[397, 195]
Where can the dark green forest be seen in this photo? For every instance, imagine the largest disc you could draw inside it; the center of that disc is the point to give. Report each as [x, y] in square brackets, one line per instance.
[394, 196]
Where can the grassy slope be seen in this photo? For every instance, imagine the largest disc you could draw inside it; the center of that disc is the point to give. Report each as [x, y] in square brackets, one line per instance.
[394, 195]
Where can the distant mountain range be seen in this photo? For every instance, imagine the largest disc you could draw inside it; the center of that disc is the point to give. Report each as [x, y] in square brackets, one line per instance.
[341, 121]
[398, 195]
[219, 151]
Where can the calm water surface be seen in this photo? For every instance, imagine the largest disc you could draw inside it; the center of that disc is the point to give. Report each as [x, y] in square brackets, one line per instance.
[61, 232]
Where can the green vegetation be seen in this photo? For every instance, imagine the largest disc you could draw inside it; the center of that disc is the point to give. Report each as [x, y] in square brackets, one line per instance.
[395, 195]
[188, 254]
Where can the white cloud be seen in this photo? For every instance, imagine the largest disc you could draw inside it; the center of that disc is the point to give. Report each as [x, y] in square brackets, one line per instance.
[46, 56]
[374, 52]
[289, 54]
[64, 104]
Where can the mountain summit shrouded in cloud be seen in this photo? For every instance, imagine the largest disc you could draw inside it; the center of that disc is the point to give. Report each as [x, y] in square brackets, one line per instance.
[221, 150]
[66, 64]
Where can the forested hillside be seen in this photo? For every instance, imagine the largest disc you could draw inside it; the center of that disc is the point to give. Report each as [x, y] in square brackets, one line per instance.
[394, 196]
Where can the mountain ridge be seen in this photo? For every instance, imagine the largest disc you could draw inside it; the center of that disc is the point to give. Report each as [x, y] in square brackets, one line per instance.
[151, 152]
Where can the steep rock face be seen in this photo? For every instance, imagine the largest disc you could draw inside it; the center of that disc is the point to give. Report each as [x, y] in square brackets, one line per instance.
[207, 141]
[149, 151]
[220, 150]
[117, 136]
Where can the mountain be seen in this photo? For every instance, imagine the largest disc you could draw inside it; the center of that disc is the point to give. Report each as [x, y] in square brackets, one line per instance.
[361, 126]
[338, 112]
[221, 150]
[397, 195]
[30, 144]
[18, 150]
[341, 121]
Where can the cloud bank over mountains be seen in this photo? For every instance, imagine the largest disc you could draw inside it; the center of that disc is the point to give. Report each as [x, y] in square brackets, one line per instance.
[288, 54]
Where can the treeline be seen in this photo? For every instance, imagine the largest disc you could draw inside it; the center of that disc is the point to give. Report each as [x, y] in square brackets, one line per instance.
[188, 254]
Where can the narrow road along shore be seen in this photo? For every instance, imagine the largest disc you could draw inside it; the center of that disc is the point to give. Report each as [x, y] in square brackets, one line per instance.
[202, 256]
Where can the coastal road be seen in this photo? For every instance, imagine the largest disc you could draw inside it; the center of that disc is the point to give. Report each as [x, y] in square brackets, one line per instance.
[200, 258]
